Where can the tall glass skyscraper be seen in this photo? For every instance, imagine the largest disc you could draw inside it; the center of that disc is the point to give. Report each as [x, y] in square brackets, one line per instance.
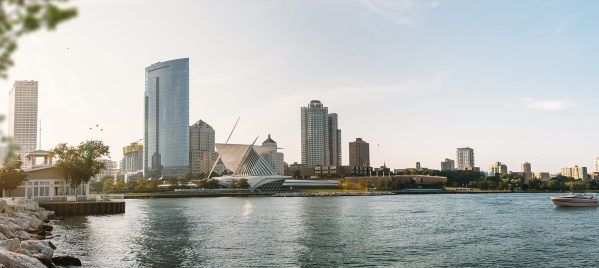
[166, 129]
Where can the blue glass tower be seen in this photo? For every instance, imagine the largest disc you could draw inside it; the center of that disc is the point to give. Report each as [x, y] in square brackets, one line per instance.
[166, 128]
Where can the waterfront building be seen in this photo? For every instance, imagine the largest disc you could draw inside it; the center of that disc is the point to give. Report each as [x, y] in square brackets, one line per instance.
[359, 153]
[22, 115]
[166, 119]
[202, 155]
[44, 181]
[543, 176]
[497, 169]
[576, 172]
[334, 140]
[593, 176]
[448, 164]
[525, 167]
[334, 171]
[274, 158]
[320, 136]
[246, 161]
[132, 162]
[465, 158]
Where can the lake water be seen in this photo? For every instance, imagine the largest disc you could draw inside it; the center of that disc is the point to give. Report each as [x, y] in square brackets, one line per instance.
[453, 230]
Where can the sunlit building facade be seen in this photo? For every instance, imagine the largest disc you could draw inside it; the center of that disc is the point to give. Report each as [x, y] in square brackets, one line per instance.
[465, 157]
[22, 115]
[166, 119]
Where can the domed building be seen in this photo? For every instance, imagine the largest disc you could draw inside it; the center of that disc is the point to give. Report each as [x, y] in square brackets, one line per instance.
[274, 158]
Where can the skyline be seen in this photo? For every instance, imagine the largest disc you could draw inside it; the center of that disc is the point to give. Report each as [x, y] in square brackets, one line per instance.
[514, 81]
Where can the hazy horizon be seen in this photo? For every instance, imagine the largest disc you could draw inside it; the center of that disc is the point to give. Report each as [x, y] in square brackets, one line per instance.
[416, 79]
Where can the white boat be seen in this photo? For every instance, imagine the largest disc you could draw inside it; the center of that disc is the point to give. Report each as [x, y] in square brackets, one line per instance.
[576, 200]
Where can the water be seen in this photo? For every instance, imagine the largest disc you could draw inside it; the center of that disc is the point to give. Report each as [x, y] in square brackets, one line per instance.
[480, 230]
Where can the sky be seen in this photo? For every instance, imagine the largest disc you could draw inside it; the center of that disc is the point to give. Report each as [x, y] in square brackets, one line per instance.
[514, 80]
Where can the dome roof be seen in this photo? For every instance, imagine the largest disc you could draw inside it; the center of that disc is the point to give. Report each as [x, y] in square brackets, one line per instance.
[269, 140]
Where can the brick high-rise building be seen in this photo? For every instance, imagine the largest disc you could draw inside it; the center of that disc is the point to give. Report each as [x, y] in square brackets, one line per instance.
[359, 153]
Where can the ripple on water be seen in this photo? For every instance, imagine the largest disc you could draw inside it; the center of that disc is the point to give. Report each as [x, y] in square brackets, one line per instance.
[484, 230]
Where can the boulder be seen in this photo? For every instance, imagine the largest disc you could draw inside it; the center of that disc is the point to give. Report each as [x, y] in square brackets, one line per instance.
[66, 260]
[22, 235]
[12, 245]
[16, 260]
[47, 261]
[7, 229]
[38, 247]
[47, 227]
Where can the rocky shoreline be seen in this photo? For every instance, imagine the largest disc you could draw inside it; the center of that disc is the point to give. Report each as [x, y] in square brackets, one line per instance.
[314, 194]
[23, 231]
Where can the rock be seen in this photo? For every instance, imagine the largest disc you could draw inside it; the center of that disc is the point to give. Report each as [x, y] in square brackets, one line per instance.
[51, 245]
[16, 260]
[66, 260]
[22, 235]
[47, 227]
[12, 245]
[38, 247]
[7, 229]
[47, 261]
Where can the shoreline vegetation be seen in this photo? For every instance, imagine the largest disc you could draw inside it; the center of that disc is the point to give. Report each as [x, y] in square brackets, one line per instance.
[320, 192]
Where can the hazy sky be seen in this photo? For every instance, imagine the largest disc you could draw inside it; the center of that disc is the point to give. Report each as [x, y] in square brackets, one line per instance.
[515, 80]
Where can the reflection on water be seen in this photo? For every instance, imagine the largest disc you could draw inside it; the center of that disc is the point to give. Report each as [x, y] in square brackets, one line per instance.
[489, 230]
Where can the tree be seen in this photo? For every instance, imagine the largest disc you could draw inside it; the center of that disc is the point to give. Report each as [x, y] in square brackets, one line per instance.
[18, 17]
[153, 185]
[131, 184]
[142, 185]
[11, 175]
[79, 164]
[233, 184]
[243, 183]
[108, 185]
[384, 184]
[366, 184]
[120, 187]
[345, 184]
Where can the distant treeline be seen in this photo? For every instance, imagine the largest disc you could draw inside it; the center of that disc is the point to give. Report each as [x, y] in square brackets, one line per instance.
[477, 179]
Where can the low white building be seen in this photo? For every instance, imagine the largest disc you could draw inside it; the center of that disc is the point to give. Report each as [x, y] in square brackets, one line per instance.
[45, 182]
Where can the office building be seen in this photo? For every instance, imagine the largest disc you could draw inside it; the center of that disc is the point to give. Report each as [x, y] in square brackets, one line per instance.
[166, 119]
[576, 172]
[497, 169]
[543, 176]
[448, 164]
[597, 164]
[3, 155]
[22, 115]
[465, 158]
[274, 158]
[202, 154]
[526, 169]
[315, 134]
[359, 153]
[334, 140]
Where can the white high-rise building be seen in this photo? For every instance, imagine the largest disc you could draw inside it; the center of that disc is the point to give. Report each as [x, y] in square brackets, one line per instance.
[201, 147]
[321, 138]
[274, 158]
[110, 169]
[576, 172]
[596, 164]
[3, 154]
[465, 158]
[497, 169]
[22, 115]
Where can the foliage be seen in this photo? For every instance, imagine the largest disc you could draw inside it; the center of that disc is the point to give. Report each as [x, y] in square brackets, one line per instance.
[153, 185]
[209, 184]
[19, 17]
[108, 185]
[79, 164]
[243, 183]
[384, 184]
[233, 184]
[120, 187]
[366, 184]
[11, 175]
[142, 185]
[345, 184]
[131, 184]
